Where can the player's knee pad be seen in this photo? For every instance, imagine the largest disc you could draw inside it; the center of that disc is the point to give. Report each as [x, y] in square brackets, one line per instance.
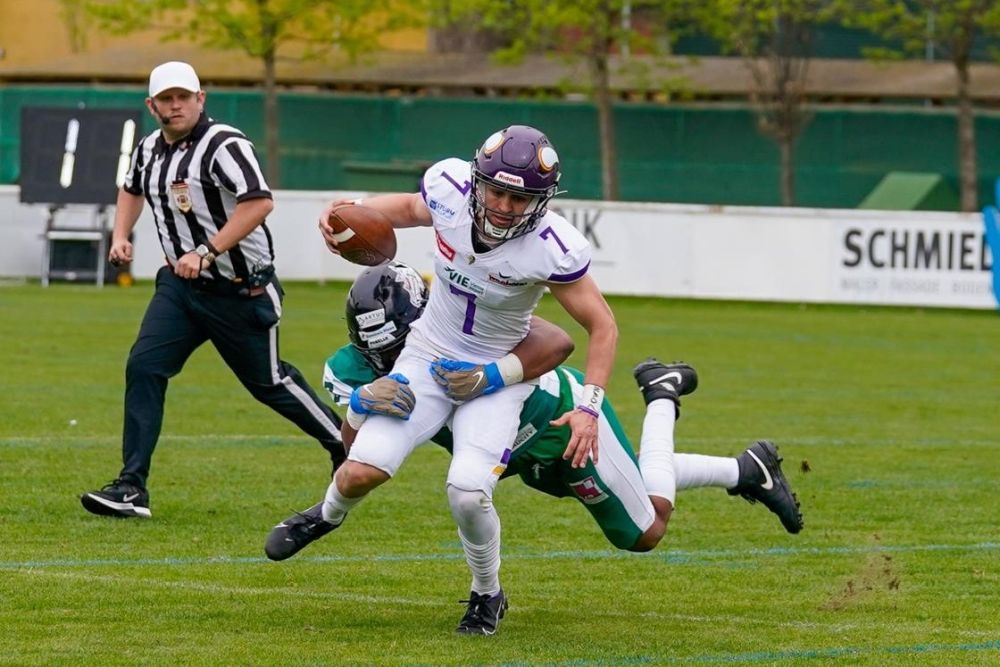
[468, 503]
[474, 513]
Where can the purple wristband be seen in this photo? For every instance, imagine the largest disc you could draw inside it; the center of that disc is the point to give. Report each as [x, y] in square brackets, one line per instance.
[589, 410]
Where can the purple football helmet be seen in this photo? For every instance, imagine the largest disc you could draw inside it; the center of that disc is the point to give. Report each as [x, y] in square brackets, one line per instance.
[518, 160]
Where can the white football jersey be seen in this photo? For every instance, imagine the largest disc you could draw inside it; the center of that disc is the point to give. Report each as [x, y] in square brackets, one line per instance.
[481, 304]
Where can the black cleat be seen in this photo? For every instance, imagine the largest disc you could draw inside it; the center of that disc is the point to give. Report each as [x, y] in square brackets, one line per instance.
[483, 615]
[297, 532]
[118, 498]
[657, 380]
[761, 480]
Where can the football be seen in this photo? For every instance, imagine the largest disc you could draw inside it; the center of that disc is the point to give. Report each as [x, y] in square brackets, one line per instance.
[364, 236]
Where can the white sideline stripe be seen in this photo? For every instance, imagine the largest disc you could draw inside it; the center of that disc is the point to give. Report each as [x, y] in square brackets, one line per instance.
[676, 556]
[721, 619]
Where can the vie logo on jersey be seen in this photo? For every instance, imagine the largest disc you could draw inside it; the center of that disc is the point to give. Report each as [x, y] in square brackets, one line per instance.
[459, 279]
[443, 246]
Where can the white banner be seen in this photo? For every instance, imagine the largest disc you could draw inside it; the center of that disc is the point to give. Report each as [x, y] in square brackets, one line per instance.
[709, 252]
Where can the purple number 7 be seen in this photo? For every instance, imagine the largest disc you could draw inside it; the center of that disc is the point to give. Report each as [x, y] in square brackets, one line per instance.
[470, 309]
[463, 188]
[547, 232]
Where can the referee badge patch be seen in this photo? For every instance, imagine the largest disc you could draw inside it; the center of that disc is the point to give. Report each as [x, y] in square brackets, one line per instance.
[181, 195]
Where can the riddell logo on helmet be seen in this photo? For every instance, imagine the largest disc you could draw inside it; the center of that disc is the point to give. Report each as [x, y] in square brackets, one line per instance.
[509, 179]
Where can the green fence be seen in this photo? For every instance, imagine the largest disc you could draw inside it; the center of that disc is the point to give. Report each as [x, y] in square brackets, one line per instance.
[666, 153]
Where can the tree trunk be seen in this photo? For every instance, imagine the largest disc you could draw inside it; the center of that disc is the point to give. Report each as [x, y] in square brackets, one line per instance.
[967, 168]
[269, 45]
[606, 126]
[787, 146]
[271, 122]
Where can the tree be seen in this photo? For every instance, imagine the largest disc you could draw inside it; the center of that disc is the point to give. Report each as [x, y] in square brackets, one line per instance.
[297, 29]
[774, 40]
[582, 31]
[952, 27]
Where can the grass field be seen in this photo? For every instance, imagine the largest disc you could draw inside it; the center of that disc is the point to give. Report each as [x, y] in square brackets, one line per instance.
[894, 412]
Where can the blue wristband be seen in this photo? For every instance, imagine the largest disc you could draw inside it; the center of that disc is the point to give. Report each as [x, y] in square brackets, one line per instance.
[494, 381]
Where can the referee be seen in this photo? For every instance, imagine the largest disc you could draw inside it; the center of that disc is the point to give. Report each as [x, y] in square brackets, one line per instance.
[209, 199]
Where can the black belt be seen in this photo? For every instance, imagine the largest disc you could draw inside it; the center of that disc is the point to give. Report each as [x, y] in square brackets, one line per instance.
[255, 285]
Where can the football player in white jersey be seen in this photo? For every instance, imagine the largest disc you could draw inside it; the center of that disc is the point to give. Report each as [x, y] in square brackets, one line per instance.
[498, 248]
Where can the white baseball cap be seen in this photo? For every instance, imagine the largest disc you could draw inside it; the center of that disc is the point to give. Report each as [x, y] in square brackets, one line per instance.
[173, 74]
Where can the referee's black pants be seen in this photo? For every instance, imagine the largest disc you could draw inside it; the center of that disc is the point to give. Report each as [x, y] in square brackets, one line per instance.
[181, 316]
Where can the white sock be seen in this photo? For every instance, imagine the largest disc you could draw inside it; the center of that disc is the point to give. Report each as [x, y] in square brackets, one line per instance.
[479, 530]
[484, 562]
[336, 505]
[697, 470]
[656, 449]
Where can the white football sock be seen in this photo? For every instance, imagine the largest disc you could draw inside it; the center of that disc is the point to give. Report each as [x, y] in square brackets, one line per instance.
[479, 530]
[336, 505]
[697, 470]
[656, 449]
[484, 562]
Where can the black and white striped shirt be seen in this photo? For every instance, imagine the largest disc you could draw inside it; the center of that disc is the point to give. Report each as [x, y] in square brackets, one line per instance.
[193, 186]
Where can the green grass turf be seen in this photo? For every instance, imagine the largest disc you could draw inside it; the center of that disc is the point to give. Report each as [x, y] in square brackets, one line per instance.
[893, 412]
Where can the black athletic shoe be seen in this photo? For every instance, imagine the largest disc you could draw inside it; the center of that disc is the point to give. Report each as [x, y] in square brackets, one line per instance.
[483, 615]
[118, 498]
[297, 532]
[761, 480]
[670, 381]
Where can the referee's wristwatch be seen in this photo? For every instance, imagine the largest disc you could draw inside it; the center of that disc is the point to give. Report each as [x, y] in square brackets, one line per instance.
[205, 253]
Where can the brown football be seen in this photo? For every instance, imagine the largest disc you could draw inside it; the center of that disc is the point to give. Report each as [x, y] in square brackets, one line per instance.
[364, 236]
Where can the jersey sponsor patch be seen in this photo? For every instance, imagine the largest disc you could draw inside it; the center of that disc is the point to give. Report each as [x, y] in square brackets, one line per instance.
[525, 434]
[589, 491]
[459, 279]
[506, 281]
[443, 246]
[440, 208]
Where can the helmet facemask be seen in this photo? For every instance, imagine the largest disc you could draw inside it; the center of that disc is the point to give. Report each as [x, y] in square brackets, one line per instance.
[383, 359]
[521, 223]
